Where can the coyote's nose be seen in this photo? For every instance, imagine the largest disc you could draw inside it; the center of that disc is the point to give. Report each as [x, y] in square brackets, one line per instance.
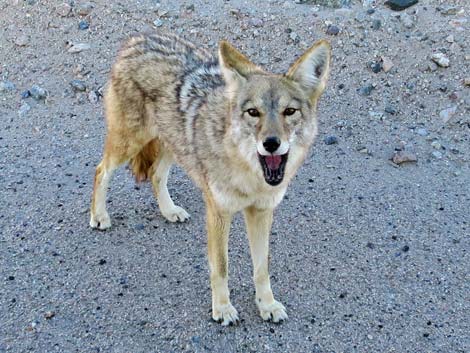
[272, 143]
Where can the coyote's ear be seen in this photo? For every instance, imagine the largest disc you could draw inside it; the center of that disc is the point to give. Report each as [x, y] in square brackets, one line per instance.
[311, 69]
[235, 67]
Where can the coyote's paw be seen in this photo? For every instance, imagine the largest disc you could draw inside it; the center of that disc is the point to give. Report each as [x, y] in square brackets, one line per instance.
[225, 314]
[274, 311]
[175, 214]
[100, 221]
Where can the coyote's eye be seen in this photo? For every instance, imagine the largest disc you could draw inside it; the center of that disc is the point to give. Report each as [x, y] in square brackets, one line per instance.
[253, 112]
[289, 111]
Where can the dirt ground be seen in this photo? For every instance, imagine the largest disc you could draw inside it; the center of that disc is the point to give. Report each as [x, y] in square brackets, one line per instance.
[368, 254]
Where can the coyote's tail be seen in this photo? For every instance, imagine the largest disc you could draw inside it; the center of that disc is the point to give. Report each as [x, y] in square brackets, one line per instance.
[141, 164]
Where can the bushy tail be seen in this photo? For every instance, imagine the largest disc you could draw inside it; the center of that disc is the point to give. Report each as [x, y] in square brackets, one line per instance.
[141, 164]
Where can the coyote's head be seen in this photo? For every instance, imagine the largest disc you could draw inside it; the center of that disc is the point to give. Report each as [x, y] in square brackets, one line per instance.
[273, 116]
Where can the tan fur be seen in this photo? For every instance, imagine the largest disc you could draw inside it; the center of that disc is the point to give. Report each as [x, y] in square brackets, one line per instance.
[170, 101]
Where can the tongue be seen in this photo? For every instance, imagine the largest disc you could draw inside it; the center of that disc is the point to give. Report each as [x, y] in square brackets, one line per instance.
[273, 162]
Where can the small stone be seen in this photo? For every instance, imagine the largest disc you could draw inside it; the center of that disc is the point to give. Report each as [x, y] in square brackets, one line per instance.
[436, 145]
[92, 97]
[440, 59]
[366, 90]
[387, 63]
[78, 85]
[38, 93]
[447, 114]
[400, 5]
[466, 81]
[158, 23]
[24, 109]
[332, 30]
[64, 10]
[85, 8]
[82, 25]
[79, 47]
[450, 39]
[449, 10]
[295, 37]
[390, 109]
[407, 20]
[102, 262]
[330, 140]
[376, 24]
[7, 86]
[437, 154]
[25, 94]
[256, 22]
[139, 226]
[11, 278]
[22, 40]
[403, 157]
[49, 315]
[376, 67]
[370, 11]
[422, 132]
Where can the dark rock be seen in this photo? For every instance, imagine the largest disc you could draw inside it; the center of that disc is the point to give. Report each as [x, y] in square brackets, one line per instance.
[139, 226]
[82, 25]
[370, 11]
[25, 94]
[102, 262]
[38, 93]
[376, 67]
[11, 278]
[406, 248]
[400, 5]
[78, 85]
[366, 90]
[332, 30]
[330, 140]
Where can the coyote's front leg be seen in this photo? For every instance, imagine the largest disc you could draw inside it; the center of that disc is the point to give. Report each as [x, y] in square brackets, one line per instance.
[218, 227]
[258, 225]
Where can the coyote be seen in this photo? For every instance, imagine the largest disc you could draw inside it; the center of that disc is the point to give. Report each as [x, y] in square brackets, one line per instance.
[240, 132]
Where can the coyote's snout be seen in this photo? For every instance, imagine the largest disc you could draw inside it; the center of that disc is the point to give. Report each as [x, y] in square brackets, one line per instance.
[241, 134]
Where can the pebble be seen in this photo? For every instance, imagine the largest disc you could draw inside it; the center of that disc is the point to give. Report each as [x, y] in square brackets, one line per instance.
[295, 37]
[447, 114]
[390, 109]
[158, 23]
[449, 10]
[437, 154]
[422, 132]
[466, 81]
[376, 24]
[400, 5]
[440, 59]
[436, 145]
[387, 63]
[376, 67]
[22, 40]
[63, 10]
[84, 9]
[139, 226]
[38, 93]
[25, 94]
[407, 20]
[79, 47]
[450, 39]
[78, 85]
[82, 25]
[7, 86]
[256, 22]
[330, 140]
[49, 315]
[432, 66]
[403, 157]
[366, 90]
[24, 109]
[92, 97]
[332, 30]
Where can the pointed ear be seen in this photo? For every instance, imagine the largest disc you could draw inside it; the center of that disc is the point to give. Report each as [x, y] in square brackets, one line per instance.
[235, 67]
[312, 68]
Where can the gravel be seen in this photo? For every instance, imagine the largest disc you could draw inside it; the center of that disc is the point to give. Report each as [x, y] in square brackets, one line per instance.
[143, 286]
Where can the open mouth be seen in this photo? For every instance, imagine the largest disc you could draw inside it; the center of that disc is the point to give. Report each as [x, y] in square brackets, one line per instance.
[273, 167]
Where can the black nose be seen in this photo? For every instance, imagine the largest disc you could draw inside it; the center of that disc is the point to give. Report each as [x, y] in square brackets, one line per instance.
[271, 143]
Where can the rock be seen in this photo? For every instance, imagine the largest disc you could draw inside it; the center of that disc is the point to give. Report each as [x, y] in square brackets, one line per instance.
[400, 157]
[139, 226]
[440, 59]
[407, 20]
[450, 39]
[256, 22]
[376, 24]
[432, 67]
[400, 5]
[422, 132]
[25, 94]
[82, 25]
[447, 114]
[437, 154]
[22, 40]
[436, 144]
[448, 10]
[466, 81]
[332, 30]
[366, 90]
[158, 23]
[38, 93]
[390, 109]
[295, 37]
[7, 86]
[63, 10]
[78, 85]
[79, 47]
[93, 97]
[376, 67]
[49, 315]
[387, 64]
[24, 109]
[85, 8]
[330, 140]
